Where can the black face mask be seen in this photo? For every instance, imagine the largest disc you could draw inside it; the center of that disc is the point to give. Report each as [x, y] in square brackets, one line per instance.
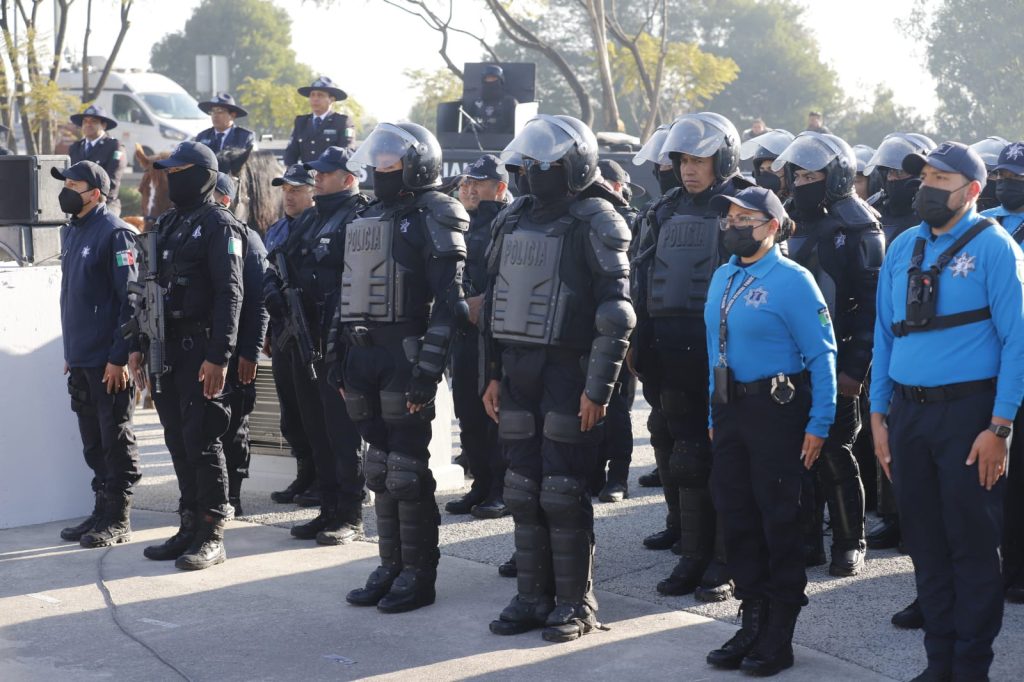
[900, 195]
[931, 203]
[71, 201]
[667, 180]
[522, 183]
[740, 241]
[190, 186]
[1010, 193]
[491, 91]
[770, 181]
[387, 186]
[809, 198]
[548, 186]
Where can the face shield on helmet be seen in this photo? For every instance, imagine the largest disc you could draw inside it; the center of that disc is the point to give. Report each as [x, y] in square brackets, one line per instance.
[386, 145]
[989, 149]
[810, 151]
[651, 151]
[693, 136]
[863, 153]
[543, 138]
[774, 142]
[894, 148]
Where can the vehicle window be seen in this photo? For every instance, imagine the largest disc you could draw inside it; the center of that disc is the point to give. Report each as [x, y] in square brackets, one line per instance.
[128, 110]
[172, 105]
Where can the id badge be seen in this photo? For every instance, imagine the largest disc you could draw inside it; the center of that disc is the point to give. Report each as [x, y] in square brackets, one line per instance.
[723, 384]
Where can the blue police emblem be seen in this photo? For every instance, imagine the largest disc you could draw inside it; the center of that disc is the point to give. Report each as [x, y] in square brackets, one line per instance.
[755, 298]
[962, 265]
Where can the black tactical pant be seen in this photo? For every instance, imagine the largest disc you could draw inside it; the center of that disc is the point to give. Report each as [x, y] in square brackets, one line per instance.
[194, 427]
[952, 527]
[1013, 536]
[291, 415]
[838, 474]
[756, 480]
[616, 449]
[477, 432]
[236, 439]
[105, 424]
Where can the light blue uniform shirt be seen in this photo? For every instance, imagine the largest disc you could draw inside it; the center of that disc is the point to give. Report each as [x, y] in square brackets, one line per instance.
[1010, 220]
[779, 324]
[988, 271]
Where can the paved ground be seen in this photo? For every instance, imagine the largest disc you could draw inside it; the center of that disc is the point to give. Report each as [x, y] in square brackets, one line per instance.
[275, 611]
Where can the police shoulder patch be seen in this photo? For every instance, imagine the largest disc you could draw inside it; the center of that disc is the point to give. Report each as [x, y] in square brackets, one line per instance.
[234, 246]
[823, 317]
[124, 258]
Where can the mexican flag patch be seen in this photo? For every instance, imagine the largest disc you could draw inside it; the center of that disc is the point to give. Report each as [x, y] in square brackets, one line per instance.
[234, 246]
[124, 258]
[823, 317]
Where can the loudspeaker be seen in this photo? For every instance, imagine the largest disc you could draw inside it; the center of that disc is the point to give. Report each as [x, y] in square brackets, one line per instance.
[29, 195]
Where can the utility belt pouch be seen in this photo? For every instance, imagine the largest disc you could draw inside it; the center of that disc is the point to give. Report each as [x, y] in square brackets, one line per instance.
[922, 296]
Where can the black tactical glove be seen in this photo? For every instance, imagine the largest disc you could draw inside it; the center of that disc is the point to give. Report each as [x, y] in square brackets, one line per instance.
[422, 388]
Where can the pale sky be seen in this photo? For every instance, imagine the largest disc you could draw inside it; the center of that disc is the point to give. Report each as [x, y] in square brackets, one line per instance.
[365, 45]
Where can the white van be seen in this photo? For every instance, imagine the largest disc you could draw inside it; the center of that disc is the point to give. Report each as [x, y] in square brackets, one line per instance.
[150, 109]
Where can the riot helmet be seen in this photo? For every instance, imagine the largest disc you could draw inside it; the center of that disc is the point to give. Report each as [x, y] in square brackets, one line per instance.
[822, 152]
[651, 151]
[547, 139]
[895, 147]
[863, 153]
[989, 149]
[412, 144]
[766, 146]
[705, 134]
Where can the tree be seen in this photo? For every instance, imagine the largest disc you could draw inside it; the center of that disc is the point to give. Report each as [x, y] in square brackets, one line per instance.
[869, 123]
[974, 54]
[435, 87]
[254, 35]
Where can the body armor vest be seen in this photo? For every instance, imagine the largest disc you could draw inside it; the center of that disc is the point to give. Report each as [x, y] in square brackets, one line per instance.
[372, 283]
[684, 260]
[804, 250]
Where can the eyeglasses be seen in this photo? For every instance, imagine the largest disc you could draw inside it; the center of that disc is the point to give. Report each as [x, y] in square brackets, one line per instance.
[529, 163]
[743, 221]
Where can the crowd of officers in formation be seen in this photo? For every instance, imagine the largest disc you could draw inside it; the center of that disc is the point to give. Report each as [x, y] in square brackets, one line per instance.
[761, 316]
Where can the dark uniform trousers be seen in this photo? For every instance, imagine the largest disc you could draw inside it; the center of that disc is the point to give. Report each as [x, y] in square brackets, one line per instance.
[838, 473]
[477, 432]
[105, 423]
[952, 527]
[194, 426]
[616, 450]
[291, 415]
[1013, 536]
[661, 441]
[756, 480]
[242, 401]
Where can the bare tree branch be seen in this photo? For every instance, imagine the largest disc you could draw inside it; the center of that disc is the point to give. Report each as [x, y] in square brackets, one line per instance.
[126, 8]
[610, 107]
[85, 49]
[19, 80]
[442, 26]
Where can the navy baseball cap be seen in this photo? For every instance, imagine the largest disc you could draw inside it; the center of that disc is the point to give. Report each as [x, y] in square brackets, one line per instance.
[752, 199]
[487, 167]
[614, 172]
[333, 159]
[185, 153]
[226, 185]
[87, 172]
[1012, 158]
[952, 157]
[295, 175]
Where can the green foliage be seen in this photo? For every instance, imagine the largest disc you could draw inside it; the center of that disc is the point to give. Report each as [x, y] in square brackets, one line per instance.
[434, 87]
[871, 122]
[46, 102]
[131, 200]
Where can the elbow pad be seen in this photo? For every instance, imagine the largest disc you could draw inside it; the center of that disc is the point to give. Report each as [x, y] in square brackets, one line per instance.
[614, 322]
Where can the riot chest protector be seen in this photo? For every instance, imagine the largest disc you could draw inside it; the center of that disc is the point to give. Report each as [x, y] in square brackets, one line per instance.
[923, 289]
[685, 258]
[370, 286]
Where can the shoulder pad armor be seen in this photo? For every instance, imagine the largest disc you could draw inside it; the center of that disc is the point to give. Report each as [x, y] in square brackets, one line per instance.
[854, 213]
[447, 222]
[609, 235]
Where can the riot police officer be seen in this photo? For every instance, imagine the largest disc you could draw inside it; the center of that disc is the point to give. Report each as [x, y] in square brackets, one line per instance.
[558, 320]
[839, 240]
[314, 132]
[201, 249]
[679, 250]
[401, 302]
[97, 265]
[495, 110]
[297, 195]
[230, 142]
[864, 183]
[252, 329]
[762, 150]
[989, 150]
[98, 147]
[314, 254]
[483, 193]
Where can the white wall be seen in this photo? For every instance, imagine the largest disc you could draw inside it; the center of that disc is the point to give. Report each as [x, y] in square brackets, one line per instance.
[44, 474]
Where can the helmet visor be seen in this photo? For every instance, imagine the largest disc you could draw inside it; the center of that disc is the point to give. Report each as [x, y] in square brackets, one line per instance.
[808, 151]
[774, 142]
[989, 149]
[891, 152]
[543, 138]
[385, 146]
[651, 151]
[693, 136]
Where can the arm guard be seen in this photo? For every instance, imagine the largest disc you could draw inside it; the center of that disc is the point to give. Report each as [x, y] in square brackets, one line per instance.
[609, 236]
[614, 321]
[447, 223]
[855, 355]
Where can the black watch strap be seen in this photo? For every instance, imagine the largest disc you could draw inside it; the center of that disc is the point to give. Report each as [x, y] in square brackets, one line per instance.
[1001, 430]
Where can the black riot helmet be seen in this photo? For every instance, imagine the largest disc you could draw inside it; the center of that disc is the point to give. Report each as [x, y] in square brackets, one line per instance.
[706, 134]
[989, 150]
[765, 147]
[895, 147]
[547, 139]
[822, 152]
[493, 70]
[414, 145]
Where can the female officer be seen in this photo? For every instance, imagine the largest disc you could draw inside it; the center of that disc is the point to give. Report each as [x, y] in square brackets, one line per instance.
[772, 354]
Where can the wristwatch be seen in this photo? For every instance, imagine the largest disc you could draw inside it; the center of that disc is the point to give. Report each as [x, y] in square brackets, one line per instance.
[1000, 430]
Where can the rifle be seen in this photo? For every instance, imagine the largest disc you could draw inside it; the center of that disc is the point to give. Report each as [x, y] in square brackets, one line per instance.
[296, 327]
[148, 320]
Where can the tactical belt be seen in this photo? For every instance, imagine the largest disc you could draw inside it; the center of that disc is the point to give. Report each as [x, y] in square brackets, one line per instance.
[764, 386]
[939, 394]
[363, 337]
[183, 328]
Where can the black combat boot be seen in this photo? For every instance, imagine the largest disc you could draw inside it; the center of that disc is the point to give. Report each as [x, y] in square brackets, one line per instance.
[465, 504]
[509, 569]
[663, 539]
[651, 479]
[115, 527]
[305, 473]
[310, 529]
[207, 548]
[732, 653]
[614, 491]
[176, 545]
[773, 651]
[344, 526]
[491, 508]
[389, 547]
[697, 537]
[75, 533]
[716, 584]
[910, 618]
[310, 497]
[846, 510]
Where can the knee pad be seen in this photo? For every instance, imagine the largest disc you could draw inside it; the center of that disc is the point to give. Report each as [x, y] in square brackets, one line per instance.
[516, 425]
[408, 478]
[358, 405]
[565, 428]
[393, 409]
[673, 402]
[522, 495]
[562, 499]
[690, 463]
[375, 469]
[79, 392]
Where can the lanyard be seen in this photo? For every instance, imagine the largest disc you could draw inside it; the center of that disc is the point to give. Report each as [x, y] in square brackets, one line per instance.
[726, 307]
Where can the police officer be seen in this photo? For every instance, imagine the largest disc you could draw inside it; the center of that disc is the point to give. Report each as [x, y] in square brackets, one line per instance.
[816, 123]
[762, 150]
[315, 256]
[838, 239]
[98, 147]
[398, 327]
[678, 252]
[201, 247]
[97, 263]
[864, 183]
[989, 150]
[495, 110]
[252, 329]
[1010, 214]
[772, 355]
[483, 193]
[558, 317]
[946, 386]
[314, 132]
[230, 142]
[297, 195]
